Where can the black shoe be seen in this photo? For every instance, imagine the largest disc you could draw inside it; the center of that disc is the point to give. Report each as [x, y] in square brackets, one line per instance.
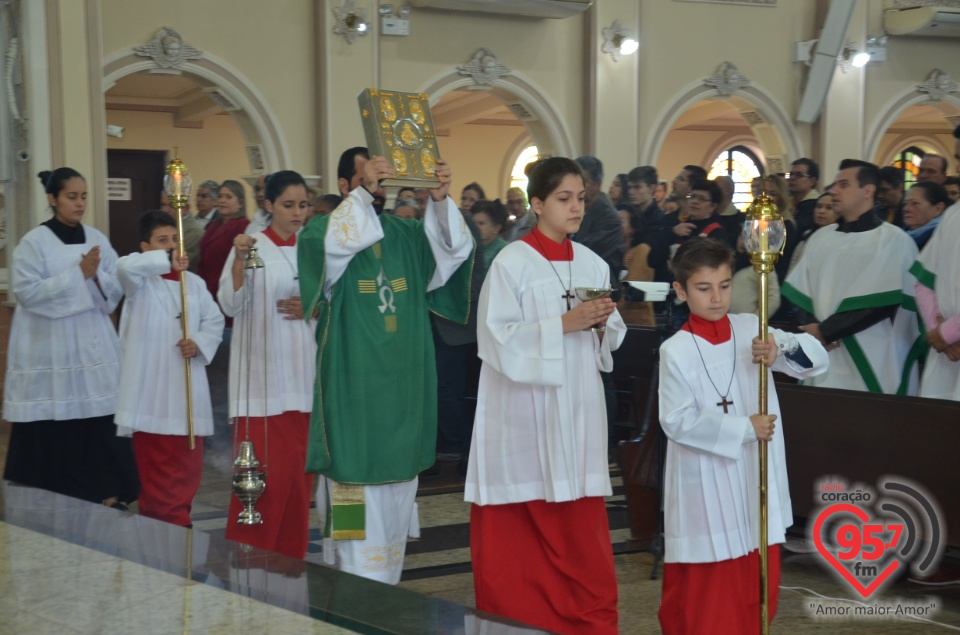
[432, 471]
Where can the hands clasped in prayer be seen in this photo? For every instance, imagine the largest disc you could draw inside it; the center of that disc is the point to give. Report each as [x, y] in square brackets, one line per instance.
[89, 262]
[587, 314]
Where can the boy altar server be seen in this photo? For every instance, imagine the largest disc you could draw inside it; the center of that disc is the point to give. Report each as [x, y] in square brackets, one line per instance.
[152, 401]
[708, 388]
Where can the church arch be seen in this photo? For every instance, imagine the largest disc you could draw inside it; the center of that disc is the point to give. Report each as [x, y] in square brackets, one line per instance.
[948, 106]
[547, 128]
[776, 137]
[266, 148]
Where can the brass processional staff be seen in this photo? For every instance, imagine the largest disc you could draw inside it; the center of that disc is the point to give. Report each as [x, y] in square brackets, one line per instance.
[764, 236]
[176, 185]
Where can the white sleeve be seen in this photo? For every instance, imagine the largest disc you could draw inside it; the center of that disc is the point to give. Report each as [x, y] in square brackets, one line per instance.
[54, 297]
[109, 293]
[811, 347]
[353, 227]
[686, 424]
[613, 334]
[231, 302]
[526, 351]
[450, 239]
[134, 268]
[208, 336]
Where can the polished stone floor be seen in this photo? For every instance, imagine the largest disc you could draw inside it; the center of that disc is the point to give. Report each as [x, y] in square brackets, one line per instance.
[70, 567]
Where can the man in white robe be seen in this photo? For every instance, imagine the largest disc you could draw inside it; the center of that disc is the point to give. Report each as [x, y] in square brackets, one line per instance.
[853, 279]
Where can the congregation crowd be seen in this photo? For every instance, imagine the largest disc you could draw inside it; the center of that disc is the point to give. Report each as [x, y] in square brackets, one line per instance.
[345, 358]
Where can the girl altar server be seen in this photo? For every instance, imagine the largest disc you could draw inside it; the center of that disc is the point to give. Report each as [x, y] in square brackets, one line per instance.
[277, 366]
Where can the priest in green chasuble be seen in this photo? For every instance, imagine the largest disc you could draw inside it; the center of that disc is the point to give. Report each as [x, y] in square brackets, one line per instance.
[372, 281]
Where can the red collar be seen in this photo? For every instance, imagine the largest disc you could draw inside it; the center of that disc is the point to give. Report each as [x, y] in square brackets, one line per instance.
[547, 247]
[171, 275]
[280, 242]
[714, 332]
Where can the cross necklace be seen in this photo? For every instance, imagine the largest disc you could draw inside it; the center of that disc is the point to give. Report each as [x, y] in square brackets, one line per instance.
[568, 295]
[723, 397]
[172, 297]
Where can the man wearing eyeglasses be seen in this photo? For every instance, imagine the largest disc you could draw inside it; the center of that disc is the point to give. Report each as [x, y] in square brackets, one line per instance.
[702, 220]
[802, 182]
[682, 184]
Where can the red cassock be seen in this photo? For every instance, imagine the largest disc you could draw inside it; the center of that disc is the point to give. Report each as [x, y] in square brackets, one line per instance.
[718, 597]
[529, 566]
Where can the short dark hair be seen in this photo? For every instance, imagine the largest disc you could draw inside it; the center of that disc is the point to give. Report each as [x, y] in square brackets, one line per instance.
[149, 221]
[952, 180]
[494, 209]
[700, 253]
[696, 173]
[278, 182]
[347, 167]
[547, 174]
[476, 188]
[330, 199]
[406, 189]
[54, 182]
[716, 194]
[956, 131]
[592, 167]
[644, 174]
[934, 193]
[812, 168]
[867, 173]
[892, 175]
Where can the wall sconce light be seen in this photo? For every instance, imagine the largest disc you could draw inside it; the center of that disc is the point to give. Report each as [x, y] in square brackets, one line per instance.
[351, 21]
[617, 41]
[850, 55]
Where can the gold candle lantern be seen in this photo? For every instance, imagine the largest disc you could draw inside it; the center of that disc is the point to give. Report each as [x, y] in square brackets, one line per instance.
[764, 236]
[176, 185]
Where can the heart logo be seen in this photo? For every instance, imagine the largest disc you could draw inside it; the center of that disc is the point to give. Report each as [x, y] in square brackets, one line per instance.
[878, 548]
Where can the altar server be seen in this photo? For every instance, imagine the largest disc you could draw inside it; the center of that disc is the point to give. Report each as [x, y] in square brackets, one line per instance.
[538, 471]
[62, 377]
[152, 406]
[272, 357]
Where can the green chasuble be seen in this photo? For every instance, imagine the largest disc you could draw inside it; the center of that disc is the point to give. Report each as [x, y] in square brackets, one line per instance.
[374, 418]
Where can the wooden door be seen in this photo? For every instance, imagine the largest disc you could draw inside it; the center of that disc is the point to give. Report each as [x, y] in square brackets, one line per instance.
[144, 169]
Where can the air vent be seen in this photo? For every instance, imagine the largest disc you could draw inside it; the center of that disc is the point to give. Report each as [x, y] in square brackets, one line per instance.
[521, 112]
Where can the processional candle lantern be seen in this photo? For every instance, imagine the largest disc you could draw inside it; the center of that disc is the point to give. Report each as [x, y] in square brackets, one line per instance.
[764, 236]
[176, 185]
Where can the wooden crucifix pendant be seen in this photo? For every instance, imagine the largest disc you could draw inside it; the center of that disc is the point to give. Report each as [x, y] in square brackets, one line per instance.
[723, 402]
[569, 296]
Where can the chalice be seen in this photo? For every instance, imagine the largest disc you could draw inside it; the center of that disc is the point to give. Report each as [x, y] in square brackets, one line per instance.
[585, 294]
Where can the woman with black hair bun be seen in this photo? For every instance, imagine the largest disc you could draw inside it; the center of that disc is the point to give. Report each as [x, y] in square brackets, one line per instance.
[272, 368]
[63, 373]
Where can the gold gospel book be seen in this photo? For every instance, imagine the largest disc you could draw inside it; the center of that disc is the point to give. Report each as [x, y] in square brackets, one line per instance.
[398, 126]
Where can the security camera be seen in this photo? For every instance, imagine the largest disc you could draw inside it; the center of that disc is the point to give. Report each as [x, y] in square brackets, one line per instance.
[115, 131]
[23, 155]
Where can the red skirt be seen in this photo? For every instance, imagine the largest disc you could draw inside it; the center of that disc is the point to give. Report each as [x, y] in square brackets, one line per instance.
[170, 474]
[285, 503]
[718, 597]
[549, 565]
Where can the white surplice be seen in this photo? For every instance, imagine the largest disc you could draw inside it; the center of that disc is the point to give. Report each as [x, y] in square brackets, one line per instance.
[541, 425]
[711, 479]
[941, 258]
[63, 360]
[282, 353]
[843, 271]
[153, 392]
